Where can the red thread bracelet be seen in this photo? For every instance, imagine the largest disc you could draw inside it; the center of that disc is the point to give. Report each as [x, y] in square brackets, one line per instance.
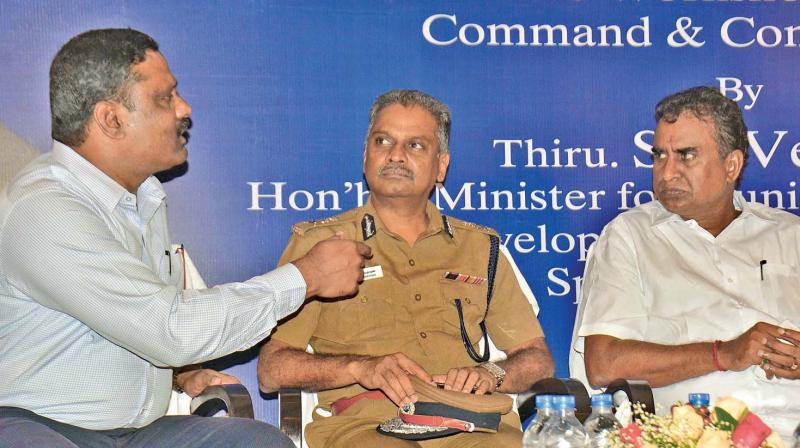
[715, 353]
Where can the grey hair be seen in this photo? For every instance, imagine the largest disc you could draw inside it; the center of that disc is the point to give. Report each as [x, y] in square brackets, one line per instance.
[408, 98]
[93, 66]
[707, 103]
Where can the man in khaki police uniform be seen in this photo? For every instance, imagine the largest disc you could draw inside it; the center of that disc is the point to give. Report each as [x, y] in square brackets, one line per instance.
[404, 320]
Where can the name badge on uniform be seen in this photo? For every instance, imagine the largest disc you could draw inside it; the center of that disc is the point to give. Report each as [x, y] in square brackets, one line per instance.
[373, 272]
[464, 278]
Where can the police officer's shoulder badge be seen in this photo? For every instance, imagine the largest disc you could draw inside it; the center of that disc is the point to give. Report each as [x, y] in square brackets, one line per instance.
[304, 227]
[470, 226]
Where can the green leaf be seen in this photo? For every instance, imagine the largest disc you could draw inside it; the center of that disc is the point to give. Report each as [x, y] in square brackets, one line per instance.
[723, 420]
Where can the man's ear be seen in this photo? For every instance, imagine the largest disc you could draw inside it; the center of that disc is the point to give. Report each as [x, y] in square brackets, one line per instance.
[444, 162]
[106, 117]
[734, 163]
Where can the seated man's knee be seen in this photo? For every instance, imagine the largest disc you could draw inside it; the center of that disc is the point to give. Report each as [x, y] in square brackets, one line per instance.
[19, 432]
[248, 433]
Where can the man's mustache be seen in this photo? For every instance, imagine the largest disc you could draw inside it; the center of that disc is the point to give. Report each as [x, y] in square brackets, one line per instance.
[184, 126]
[397, 168]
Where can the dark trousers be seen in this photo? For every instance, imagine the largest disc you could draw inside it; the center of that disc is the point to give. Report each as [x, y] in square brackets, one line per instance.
[22, 428]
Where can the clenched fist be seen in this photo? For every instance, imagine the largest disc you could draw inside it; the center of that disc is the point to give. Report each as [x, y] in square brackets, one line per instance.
[333, 267]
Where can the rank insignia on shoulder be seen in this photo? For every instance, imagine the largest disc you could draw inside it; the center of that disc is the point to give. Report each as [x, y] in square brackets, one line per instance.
[368, 226]
[303, 226]
[447, 227]
[464, 278]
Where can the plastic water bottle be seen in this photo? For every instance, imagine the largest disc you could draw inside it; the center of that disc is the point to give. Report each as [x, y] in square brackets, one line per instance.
[601, 421]
[544, 409]
[562, 429]
[700, 402]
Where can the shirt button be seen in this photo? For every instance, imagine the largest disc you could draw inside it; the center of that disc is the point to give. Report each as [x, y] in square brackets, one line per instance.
[417, 297]
[411, 262]
[364, 300]
[423, 335]
[467, 300]
[730, 280]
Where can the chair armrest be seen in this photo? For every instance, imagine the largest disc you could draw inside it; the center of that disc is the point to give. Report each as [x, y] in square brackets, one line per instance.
[233, 397]
[290, 408]
[637, 391]
[558, 386]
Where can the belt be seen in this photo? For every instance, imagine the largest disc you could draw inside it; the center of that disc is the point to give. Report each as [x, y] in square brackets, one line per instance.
[342, 404]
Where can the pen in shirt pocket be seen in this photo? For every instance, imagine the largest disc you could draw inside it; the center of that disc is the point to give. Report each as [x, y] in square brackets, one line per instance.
[169, 259]
[761, 266]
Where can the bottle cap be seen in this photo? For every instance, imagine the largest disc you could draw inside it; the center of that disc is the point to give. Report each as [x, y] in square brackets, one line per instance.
[563, 402]
[699, 399]
[544, 401]
[602, 401]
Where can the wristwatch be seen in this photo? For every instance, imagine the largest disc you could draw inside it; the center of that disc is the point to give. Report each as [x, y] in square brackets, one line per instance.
[497, 372]
[175, 385]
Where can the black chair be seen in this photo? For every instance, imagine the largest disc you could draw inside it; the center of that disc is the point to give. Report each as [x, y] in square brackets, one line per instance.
[290, 409]
[635, 391]
[232, 398]
[558, 386]
[621, 389]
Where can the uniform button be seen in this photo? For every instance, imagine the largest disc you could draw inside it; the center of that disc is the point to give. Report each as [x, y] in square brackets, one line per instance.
[417, 297]
[411, 262]
[364, 300]
[423, 335]
[467, 300]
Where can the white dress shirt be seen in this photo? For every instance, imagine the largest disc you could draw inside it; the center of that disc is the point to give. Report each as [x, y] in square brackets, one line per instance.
[654, 277]
[91, 313]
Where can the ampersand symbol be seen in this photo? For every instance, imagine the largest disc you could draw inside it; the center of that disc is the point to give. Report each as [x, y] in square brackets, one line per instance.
[683, 24]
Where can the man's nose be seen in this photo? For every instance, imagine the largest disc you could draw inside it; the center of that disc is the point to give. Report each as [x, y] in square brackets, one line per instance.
[182, 108]
[397, 153]
[670, 168]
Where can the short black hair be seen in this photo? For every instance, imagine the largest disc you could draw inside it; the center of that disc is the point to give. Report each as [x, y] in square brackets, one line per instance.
[93, 66]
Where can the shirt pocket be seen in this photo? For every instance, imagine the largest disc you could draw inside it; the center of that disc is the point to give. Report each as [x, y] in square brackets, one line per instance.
[779, 291]
[473, 307]
[368, 318]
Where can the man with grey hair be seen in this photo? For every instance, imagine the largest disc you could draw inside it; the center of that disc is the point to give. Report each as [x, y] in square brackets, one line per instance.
[425, 303]
[697, 290]
[93, 316]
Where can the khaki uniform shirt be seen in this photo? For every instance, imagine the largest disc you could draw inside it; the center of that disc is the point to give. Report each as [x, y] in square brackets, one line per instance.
[411, 308]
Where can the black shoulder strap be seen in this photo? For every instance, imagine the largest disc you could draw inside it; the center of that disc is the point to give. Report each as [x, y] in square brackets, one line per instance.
[494, 250]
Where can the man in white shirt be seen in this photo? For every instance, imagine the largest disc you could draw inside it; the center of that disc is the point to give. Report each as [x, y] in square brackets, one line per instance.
[697, 290]
[92, 319]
